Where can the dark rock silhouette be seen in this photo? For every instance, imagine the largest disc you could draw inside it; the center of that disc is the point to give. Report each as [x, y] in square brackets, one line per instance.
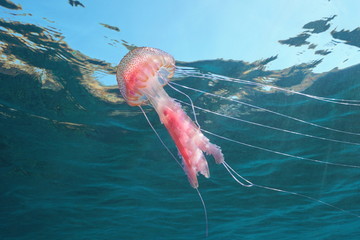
[351, 37]
[319, 26]
[110, 27]
[313, 27]
[297, 41]
[10, 5]
[322, 52]
[76, 3]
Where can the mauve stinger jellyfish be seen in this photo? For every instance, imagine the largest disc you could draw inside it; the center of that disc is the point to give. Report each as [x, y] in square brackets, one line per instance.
[141, 75]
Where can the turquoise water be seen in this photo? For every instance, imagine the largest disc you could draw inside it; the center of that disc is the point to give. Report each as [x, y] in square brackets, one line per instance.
[77, 162]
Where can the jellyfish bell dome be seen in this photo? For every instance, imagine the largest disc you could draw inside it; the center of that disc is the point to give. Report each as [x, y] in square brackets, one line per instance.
[141, 69]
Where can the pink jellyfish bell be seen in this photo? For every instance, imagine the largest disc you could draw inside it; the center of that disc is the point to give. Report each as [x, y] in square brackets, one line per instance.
[141, 75]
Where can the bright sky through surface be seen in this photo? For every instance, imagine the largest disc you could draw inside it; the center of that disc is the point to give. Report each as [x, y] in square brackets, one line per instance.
[193, 30]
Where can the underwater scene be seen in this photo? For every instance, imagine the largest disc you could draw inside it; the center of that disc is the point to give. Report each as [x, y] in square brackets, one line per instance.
[273, 86]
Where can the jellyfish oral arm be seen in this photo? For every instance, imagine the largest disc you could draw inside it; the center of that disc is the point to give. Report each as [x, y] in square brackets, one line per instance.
[189, 139]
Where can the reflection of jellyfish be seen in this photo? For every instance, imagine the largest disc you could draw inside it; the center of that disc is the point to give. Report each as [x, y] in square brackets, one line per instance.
[143, 72]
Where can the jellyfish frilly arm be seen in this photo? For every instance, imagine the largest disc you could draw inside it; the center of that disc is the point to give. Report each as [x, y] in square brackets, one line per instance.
[188, 138]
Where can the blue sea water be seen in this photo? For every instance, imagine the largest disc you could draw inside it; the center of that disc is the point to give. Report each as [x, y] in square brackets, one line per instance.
[76, 162]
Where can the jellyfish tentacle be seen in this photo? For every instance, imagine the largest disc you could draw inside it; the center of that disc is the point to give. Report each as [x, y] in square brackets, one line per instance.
[273, 128]
[280, 153]
[205, 213]
[267, 110]
[192, 72]
[232, 172]
[158, 136]
[191, 103]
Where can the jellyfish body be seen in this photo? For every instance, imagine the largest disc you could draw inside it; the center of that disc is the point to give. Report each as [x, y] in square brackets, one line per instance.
[141, 75]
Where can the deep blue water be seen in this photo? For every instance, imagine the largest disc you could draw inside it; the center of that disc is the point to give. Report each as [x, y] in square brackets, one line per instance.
[76, 162]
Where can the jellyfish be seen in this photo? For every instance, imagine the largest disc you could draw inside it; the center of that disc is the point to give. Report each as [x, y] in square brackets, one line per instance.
[141, 76]
[144, 71]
